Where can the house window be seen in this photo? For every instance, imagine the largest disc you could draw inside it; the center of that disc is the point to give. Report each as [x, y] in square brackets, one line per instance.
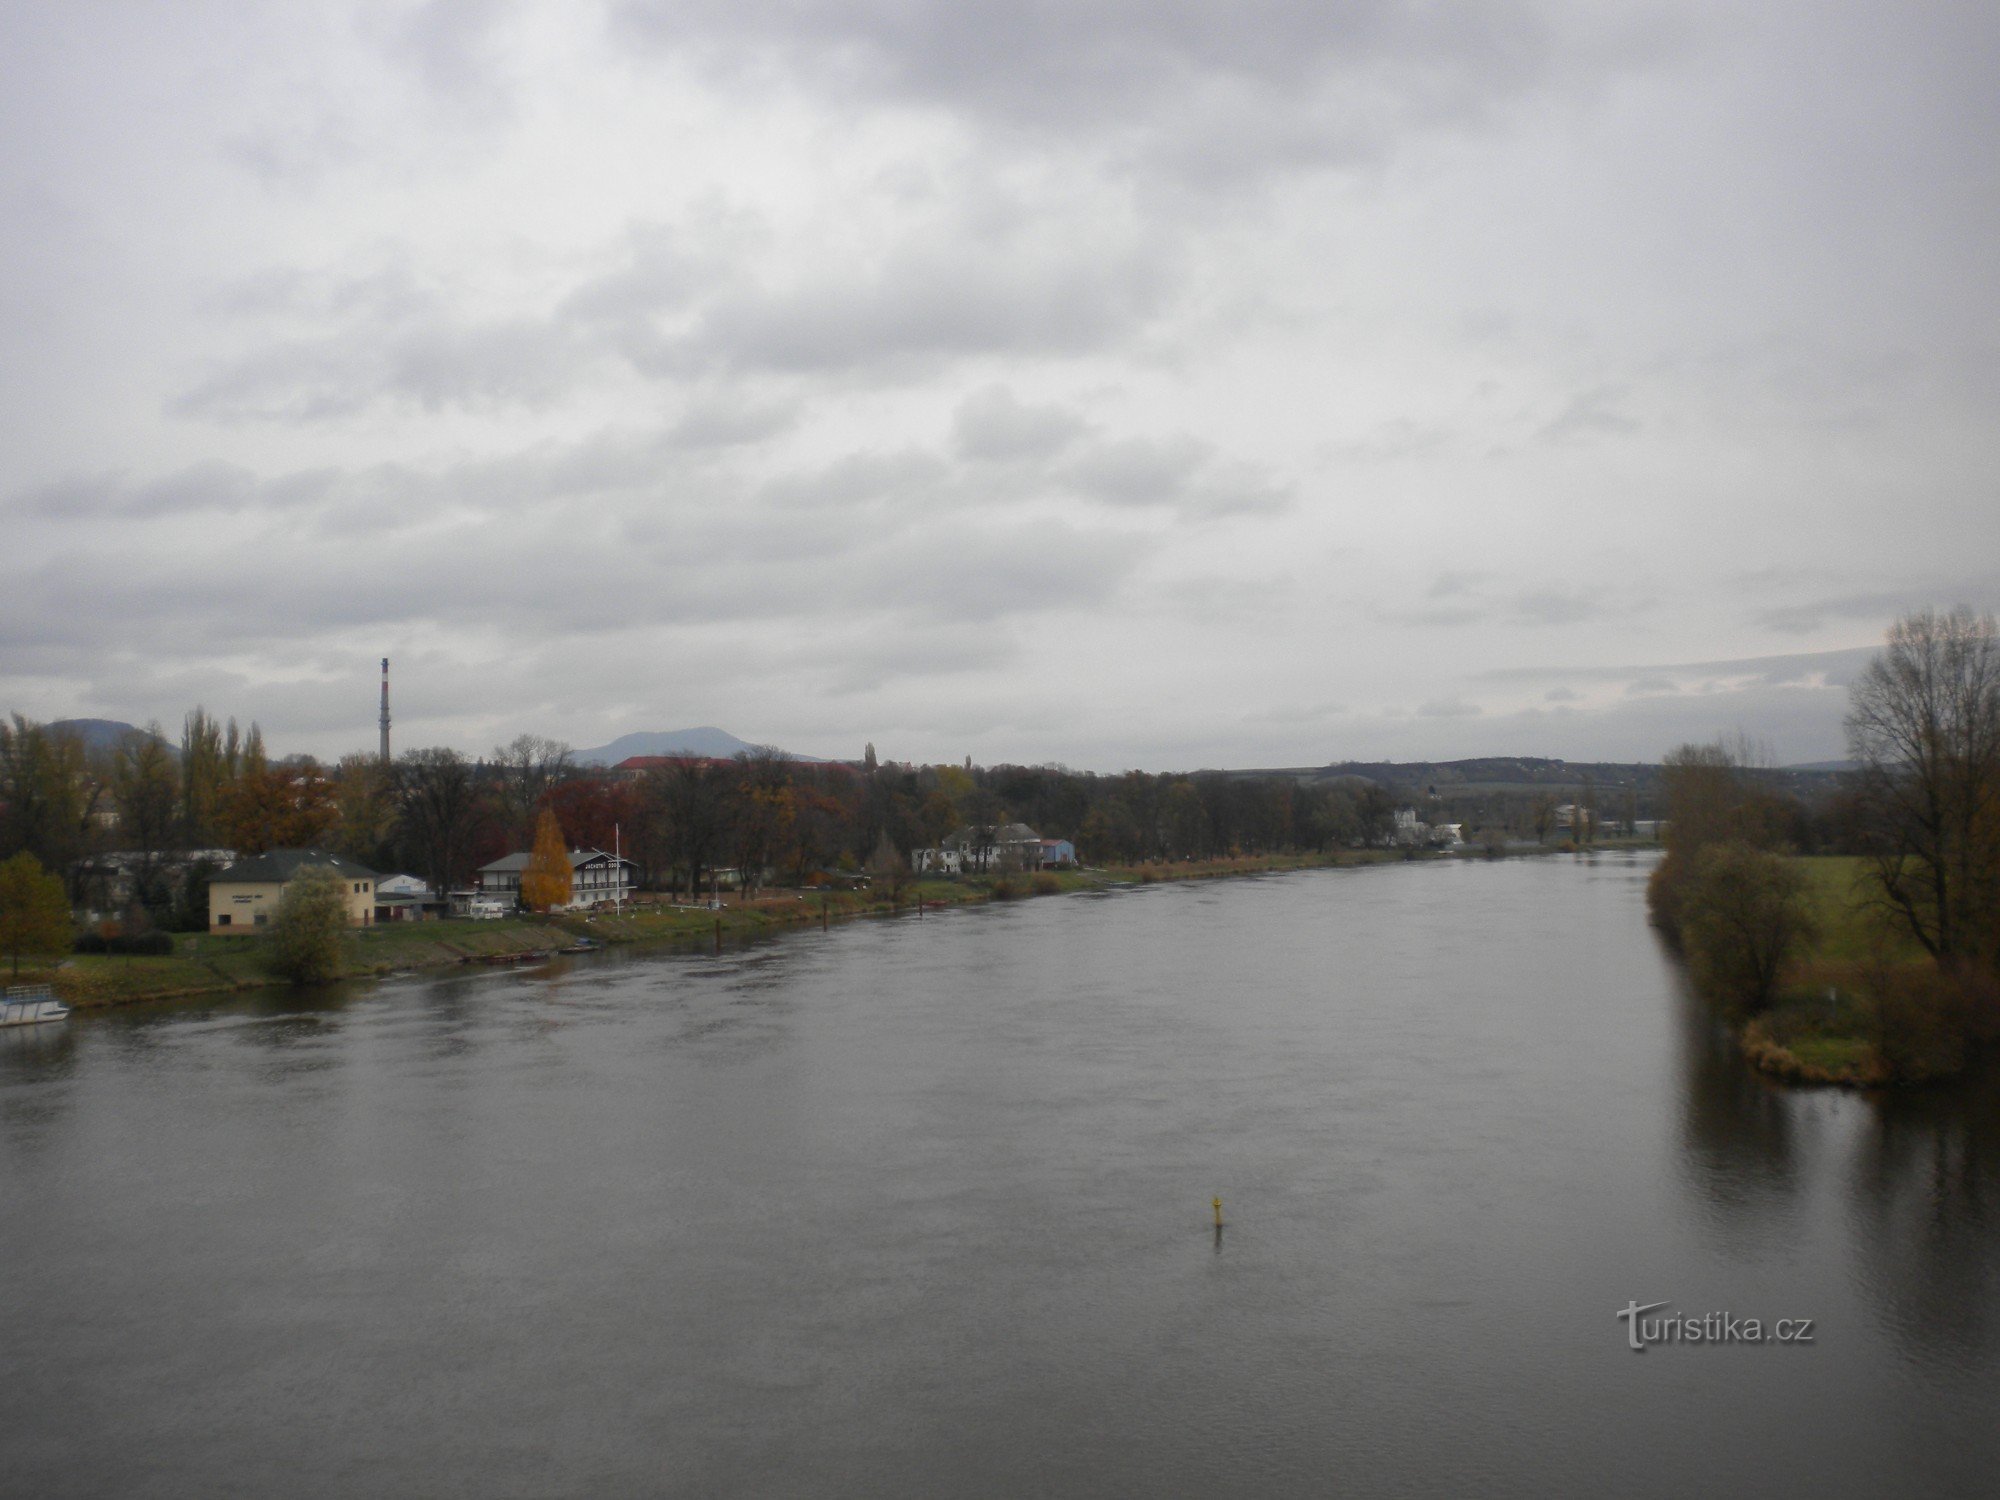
[223, 920]
[261, 918]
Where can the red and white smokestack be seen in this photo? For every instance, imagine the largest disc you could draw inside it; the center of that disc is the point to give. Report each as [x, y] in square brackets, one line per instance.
[385, 710]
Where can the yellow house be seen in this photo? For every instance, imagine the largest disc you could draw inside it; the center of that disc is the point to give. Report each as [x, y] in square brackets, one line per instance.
[245, 896]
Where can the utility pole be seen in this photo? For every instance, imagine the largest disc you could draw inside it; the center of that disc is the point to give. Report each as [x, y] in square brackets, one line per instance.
[385, 710]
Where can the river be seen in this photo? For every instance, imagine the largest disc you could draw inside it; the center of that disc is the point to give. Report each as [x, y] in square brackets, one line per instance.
[923, 1207]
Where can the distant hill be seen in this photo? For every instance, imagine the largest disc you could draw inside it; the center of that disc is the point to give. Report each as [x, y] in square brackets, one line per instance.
[100, 734]
[707, 740]
[1534, 774]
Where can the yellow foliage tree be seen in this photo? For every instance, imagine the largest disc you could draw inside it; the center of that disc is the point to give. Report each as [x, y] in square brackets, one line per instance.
[545, 883]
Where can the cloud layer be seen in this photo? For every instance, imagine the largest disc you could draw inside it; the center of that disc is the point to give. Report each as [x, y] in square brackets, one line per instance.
[1122, 384]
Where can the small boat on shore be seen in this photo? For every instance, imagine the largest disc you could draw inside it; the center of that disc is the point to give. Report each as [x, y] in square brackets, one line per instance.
[28, 1004]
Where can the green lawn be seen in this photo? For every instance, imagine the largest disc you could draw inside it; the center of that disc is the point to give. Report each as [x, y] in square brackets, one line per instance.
[1853, 926]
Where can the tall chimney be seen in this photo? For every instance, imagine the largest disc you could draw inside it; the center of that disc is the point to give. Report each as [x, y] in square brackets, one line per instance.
[385, 710]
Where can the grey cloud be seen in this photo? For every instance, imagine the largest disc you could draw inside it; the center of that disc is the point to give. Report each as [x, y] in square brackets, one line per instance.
[1448, 708]
[1464, 599]
[862, 479]
[1315, 713]
[433, 365]
[211, 485]
[1452, 585]
[1805, 618]
[452, 44]
[1215, 598]
[658, 268]
[995, 425]
[1141, 471]
[924, 305]
[1208, 92]
[730, 419]
[1835, 668]
[1177, 471]
[988, 571]
[1558, 607]
[865, 662]
[1593, 413]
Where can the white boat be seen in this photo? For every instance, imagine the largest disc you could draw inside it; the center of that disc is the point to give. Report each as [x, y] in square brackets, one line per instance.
[26, 1004]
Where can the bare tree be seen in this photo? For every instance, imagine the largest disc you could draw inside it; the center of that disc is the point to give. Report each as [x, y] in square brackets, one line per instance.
[687, 799]
[762, 812]
[527, 767]
[436, 805]
[1925, 727]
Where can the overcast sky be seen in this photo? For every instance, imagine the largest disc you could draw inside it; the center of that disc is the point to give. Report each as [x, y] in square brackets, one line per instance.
[1120, 383]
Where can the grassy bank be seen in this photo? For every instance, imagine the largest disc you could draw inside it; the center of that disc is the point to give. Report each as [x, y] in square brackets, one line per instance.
[1864, 1005]
[207, 964]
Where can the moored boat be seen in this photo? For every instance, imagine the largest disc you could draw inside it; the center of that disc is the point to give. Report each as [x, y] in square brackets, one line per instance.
[27, 1004]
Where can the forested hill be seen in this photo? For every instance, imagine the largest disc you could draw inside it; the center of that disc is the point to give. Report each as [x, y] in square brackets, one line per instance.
[98, 734]
[1532, 774]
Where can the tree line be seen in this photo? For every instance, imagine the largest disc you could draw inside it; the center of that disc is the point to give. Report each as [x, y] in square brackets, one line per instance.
[439, 814]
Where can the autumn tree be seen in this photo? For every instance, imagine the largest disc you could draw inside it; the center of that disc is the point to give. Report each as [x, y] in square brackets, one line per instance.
[364, 809]
[306, 932]
[594, 808]
[545, 884]
[1925, 728]
[289, 805]
[34, 911]
[204, 775]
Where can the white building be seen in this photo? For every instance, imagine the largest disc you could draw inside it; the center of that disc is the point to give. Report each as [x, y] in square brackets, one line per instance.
[594, 876]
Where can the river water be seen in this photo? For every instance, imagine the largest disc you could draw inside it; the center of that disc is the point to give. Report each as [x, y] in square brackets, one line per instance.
[922, 1207]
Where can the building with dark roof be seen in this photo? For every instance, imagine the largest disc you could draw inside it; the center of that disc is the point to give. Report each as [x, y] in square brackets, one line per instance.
[243, 897]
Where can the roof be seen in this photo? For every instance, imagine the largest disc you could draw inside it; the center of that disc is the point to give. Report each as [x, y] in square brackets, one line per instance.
[276, 866]
[506, 864]
[967, 835]
[633, 764]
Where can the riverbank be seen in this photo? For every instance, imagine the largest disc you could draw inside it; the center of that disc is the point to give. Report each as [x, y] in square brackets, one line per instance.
[1864, 1006]
[207, 964]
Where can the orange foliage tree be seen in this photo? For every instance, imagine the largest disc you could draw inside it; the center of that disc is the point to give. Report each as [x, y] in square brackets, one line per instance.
[284, 806]
[546, 881]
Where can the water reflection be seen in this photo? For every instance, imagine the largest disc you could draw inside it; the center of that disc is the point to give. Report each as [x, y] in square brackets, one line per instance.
[1923, 1186]
[1918, 1171]
[1736, 1127]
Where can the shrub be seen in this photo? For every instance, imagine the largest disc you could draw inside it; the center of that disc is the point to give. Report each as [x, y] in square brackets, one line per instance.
[1742, 918]
[90, 941]
[156, 944]
[307, 932]
[1045, 884]
[1007, 888]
